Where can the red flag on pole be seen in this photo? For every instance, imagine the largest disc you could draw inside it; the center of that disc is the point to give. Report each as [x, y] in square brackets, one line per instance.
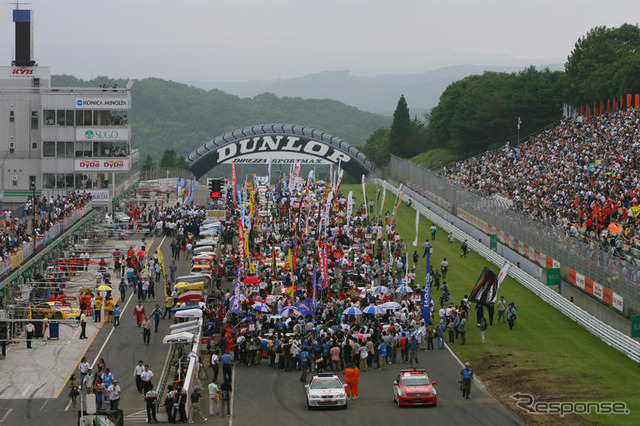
[637, 101]
[628, 101]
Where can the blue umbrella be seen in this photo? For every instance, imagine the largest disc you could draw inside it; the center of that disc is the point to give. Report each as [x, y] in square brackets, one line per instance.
[290, 311]
[404, 289]
[381, 289]
[261, 307]
[352, 311]
[373, 310]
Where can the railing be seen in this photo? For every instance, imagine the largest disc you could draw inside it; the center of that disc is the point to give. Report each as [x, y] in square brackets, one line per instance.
[13, 262]
[546, 244]
[603, 331]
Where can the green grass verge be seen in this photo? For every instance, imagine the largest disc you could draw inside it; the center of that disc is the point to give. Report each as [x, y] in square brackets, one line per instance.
[434, 158]
[546, 354]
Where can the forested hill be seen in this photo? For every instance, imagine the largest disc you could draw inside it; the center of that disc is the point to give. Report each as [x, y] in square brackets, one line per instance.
[169, 115]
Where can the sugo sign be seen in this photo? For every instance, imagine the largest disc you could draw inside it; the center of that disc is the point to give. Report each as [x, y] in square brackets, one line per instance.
[102, 134]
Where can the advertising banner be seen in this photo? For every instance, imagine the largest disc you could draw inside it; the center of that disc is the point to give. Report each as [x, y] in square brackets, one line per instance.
[99, 195]
[96, 165]
[102, 103]
[101, 134]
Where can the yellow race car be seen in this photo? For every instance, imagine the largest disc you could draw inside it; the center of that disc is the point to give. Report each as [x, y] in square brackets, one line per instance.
[56, 310]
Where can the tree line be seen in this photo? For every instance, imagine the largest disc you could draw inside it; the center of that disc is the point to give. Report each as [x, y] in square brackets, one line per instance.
[490, 109]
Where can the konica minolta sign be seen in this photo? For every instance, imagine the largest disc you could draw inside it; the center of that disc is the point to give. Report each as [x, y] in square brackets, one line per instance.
[102, 103]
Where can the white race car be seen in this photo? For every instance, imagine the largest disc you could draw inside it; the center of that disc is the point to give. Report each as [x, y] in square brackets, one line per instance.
[326, 390]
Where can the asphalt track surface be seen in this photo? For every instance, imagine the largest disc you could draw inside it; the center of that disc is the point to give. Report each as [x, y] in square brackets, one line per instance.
[267, 396]
[22, 401]
[262, 395]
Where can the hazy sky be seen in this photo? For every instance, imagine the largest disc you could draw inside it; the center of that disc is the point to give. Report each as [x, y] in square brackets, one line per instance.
[268, 39]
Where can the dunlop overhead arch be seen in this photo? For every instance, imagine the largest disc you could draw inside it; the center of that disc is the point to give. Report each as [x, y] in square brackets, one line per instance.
[283, 139]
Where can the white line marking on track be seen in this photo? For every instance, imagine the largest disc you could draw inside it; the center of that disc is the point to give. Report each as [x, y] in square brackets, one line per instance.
[233, 394]
[6, 415]
[26, 390]
[45, 404]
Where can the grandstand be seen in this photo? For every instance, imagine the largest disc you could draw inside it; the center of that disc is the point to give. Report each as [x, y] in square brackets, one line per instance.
[566, 198]
[581, 175]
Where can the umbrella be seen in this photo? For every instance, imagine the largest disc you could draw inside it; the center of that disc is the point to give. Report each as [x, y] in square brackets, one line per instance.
[390, 305]
[373, 310]
[404, 289]
[141, 253]
[352, 311]
[614, 228]
[104, 287]
[261, 307]
[290, 311]
[251, 280]
[381, 289]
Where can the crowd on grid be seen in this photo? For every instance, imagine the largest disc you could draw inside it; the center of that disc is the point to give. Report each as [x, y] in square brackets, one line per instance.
[38, 218]
[581, 174]
[309, 327]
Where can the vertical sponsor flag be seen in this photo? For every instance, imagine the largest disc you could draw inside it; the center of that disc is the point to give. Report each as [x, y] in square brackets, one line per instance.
[235, 306]
[415, 242]
[364, 197]
[504, 271]
[313, 288]
[178, 186]
[519, 123]
[234, 183]
[384, 195]
[377, 200]
[241, 251]
[193, 189]
[426, 294]
[397, 206]
[290, 259]
[269, 172]
[349, 207]
[164, 275]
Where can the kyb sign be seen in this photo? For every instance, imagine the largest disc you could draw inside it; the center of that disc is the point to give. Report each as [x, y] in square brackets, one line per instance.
[280, 147]
[102, 165]
[101, 134]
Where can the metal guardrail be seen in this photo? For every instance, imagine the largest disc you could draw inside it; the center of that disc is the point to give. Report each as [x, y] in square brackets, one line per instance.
[603, 331]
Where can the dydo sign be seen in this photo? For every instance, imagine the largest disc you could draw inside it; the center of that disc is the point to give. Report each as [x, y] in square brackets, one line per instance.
[102, 165]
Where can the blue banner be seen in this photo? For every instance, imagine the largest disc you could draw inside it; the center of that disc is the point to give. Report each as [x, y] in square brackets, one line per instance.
[426, 294]
[193, 189]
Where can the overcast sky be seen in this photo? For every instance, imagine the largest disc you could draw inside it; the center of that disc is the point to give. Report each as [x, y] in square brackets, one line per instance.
[241, 40]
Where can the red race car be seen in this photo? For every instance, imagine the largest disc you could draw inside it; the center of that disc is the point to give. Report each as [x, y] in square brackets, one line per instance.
[413, 387]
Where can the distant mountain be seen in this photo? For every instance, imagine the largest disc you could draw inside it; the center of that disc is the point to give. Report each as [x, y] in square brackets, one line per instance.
[377, 94]
[170, 115]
